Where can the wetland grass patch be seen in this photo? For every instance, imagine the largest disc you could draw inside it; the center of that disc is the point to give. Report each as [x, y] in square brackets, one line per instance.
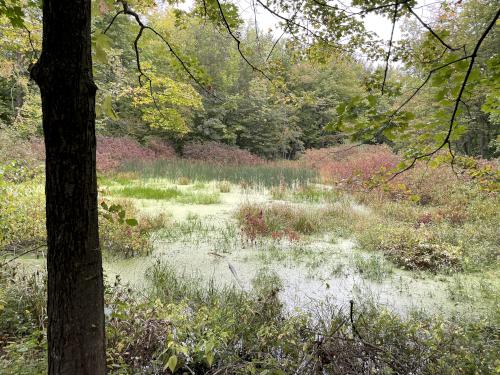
[269, 174]
[308, 193]
[169, 194]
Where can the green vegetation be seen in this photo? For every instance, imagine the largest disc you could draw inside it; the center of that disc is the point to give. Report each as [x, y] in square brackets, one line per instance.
[260, 175]
[454, 230]
[145, 192]
[169, 194]
[183, 324]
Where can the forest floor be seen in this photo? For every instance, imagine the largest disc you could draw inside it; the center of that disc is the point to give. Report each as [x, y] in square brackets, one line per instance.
[324, 279]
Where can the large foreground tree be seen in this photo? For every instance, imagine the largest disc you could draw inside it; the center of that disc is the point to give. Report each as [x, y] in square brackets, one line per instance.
[75, 307]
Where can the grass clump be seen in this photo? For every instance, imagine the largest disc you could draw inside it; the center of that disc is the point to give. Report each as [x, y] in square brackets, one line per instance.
[198, 198]
[307, 193]
[314, 194]
[374, 267]
[183, 180]
[224, 186]
[280, 220]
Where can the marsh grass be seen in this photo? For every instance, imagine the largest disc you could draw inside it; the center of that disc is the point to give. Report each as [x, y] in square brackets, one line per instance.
[224, 186]
[170, 194]
[373, 267]
[306, 193]
[311, 193]
[183, 180]
[148, 192]
[198, 198]
[266, 174]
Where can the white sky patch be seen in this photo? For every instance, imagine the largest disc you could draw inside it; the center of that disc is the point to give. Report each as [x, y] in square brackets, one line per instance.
[250, 11]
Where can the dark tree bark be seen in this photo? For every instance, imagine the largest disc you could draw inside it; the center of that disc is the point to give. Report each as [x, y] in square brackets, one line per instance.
[74, 264]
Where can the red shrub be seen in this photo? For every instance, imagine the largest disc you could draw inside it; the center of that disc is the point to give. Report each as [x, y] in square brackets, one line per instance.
[218, 153]
[351, 165]
[162, 149]
[111, 152]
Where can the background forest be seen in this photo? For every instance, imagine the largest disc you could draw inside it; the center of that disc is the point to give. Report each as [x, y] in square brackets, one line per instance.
[298, 103]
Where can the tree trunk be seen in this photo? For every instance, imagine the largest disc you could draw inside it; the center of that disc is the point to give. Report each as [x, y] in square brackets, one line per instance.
[75, 284]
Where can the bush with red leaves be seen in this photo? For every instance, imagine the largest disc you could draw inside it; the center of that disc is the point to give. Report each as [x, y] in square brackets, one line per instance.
[113, 151]
[350, 165]
[219, 153]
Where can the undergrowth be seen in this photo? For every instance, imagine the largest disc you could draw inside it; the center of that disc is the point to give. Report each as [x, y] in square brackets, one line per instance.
[181, 324]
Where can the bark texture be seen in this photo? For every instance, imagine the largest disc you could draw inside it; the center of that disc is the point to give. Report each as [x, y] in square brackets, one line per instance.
[74, 264]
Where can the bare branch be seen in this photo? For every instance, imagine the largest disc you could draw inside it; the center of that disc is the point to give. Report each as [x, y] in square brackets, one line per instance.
[22, 254]
[127, 11]
[434, 34]
[388, 57]
[30, 40]
[290, 21]
[238, 42]
[112, 21]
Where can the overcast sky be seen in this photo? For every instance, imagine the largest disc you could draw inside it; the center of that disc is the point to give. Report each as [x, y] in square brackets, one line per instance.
[375, 23]
[382, 26]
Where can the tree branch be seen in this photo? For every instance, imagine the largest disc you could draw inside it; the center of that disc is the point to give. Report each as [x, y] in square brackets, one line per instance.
[238, 42]
[388, 57]
[434, 34]
[127, 11]
[446, 141]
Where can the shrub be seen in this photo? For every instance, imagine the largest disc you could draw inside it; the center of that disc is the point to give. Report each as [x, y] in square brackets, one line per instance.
[112, 152]
[287, 221]
[162, 149]
[31, 152]
[351, 165]
[22, 214]
[219, 153]
[123, 232]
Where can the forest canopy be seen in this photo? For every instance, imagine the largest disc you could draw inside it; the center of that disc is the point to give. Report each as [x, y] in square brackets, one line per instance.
[274, 94]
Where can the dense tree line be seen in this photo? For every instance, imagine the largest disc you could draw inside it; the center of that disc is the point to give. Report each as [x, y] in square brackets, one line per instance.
[299, 102]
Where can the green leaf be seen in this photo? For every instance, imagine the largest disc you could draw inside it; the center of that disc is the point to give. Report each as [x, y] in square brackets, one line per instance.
[115, 208]
[372, 99]
[341, 108]
[171, 363]
[107, 107]
[132, 222]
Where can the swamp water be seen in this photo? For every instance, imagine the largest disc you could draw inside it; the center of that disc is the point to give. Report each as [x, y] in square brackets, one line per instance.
[313, 271]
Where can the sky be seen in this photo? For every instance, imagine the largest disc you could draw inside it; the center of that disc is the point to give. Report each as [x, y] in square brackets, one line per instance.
[266, 20]
[380, 25]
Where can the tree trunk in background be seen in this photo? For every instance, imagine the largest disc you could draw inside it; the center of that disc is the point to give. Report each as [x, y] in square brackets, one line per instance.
[74, 265]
